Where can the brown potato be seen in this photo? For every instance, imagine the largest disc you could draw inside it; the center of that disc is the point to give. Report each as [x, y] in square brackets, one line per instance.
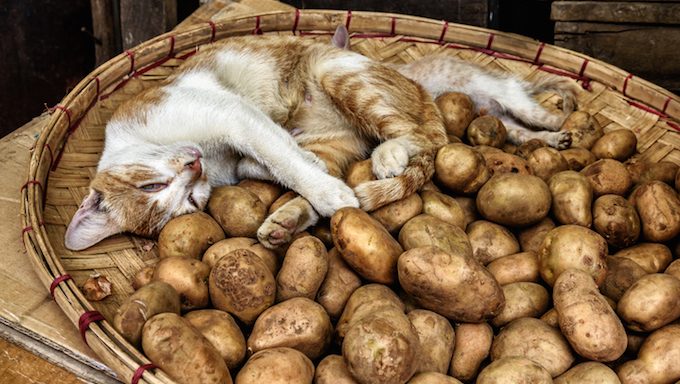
[545, 162]
[394, 215]
[359, 172]
[531, 238]
[578, 158]
[443, 207]
[487, 130]
[303, 269]
[621, 274]
[619, 145]
[180, 350]
[464, 290]
[584, 129]
[522, 300]
[220, 329]
[189, 277]
[657, 360]
[297, 323]
[616, 220]
[501, 162]
[608, 176]
[573, 246]
[143, 277]
[514, 200]
[338, 285]
[490, 241]
[364, 301]
[651, 302]
[659, 208]
[590, 372]
[96, 288]
[223, 247]
[365, 245]
[572, 197]
[239, 211]
[277, 366]
[436, 337]
[281, 201]
[664, 171]
[586, 319]
[189, 235]
[469, 206]
[509, 148]
[674, 269]
[525, 149]
[551, 318]
[151, 299]
[432, 378]
[461, 168]
[487, 149]
[424, 230]
[457, 110]
[512, 370]
[333, 370]
[652, 257]
[472, 346]
[241, 284]
[515, 268]
[267, 192]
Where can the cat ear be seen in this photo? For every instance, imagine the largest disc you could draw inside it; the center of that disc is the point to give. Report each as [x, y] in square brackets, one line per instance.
[90, 224]
[341, 37]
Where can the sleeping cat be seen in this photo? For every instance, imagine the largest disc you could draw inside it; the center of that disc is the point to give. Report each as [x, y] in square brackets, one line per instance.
[294, 111]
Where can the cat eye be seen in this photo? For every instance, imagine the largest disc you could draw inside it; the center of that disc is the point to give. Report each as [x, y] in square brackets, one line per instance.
[153, 187]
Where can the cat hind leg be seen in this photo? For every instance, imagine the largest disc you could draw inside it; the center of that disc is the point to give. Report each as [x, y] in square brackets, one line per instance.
[519, 135]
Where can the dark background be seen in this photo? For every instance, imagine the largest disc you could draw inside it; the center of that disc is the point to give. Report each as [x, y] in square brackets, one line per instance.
[46, 46]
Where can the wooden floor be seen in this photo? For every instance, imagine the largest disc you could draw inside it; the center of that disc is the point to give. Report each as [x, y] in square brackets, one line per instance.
[18, 366]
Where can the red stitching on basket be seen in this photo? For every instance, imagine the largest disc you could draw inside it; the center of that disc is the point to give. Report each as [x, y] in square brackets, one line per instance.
[96, 79]
[665, 104]
[297, 20]
[49, 150]
[34, 182]
[140, 371]
[625, 83]
[213, 30]
[445, 27]
[26, 229]
[257, 30]
[131, 55]
[87, 318]
[538, 53]
[393, 28]
[62, 108]
[651, 110]
[490, 42]
[172, 47]
[58, 280]
[349, 19]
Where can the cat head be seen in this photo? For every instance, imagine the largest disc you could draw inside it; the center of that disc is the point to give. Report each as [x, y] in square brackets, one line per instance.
[139, 190]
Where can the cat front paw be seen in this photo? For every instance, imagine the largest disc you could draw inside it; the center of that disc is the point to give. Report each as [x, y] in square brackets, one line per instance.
[562, 140]
[330, 195]
[278, 229]
[389, 159]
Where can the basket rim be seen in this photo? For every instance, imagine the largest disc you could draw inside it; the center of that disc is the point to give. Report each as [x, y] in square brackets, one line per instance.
[114, 351]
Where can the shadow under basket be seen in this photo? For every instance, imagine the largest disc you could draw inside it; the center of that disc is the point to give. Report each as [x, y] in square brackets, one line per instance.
[66, 154]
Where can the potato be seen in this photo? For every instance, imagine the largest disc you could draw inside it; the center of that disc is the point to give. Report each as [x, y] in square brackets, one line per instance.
[642, 172]
[189, 235]
[590, 372]
[461, 168]
[487, 130]
[143, 277]
[223, 247]
[394, 215]
[525, 149]
[509, 148]
[464, 290]
[457, 110]
[365, 245]
[515, 268]
[277, 366]
[511, 370]
[584, 129]
[573, 246]
[425, 230]
[522, 299]
[657, 360]
[651, 302]
[433, 378]
[472, 346]
[220, 329]
[189, 277]
[359, 172]
[501, 162]
[514, 200]
[621, 274]
[659, 208]
[429, 186]
[436, 337]
[551, 318]
[333, 370]
[151, 299]
[303, 269]
[490, 241]
[586, 320]
[608, 176]
[281, 201]
[469, 206]
[267, 192]
[531, 238]
[180, 350]
[578, 158]
[297, 323]
[545, 162]
[364, 301]
[443, 207]
[677, 180]
[239, 211]
[241, 284]
[651, 257]
[674, 269]
[572, 198]
[616, 220]
[535, 340]
[338, 285]
[619, 145]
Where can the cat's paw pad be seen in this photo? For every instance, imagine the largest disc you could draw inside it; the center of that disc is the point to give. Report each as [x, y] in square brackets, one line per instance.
[331, 195]
[278, 229]
[562, 140]
[389, 160]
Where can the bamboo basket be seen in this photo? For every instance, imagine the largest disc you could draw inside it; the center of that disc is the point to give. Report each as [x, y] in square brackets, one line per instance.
[67, 151]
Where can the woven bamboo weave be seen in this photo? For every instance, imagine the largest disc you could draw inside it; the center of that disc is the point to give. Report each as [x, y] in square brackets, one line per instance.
[67, 152]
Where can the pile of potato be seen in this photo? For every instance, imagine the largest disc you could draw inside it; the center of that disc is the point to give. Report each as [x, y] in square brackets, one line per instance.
[516, 264]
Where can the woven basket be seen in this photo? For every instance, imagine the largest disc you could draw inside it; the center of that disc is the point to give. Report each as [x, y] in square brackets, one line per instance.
[67, 152]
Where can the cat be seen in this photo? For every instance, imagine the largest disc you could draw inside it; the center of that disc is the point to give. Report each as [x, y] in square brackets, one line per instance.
[286, 109]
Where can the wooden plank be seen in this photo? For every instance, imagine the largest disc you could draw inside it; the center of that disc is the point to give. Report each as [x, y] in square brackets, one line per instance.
[616, 12]
[142, 20]
[104, 30]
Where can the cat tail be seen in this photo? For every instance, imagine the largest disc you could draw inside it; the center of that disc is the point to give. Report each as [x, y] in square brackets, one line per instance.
[565, 88]
[377, 193]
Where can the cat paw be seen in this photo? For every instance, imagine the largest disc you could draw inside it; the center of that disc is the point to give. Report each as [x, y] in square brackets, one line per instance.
[278, 229]
[561, 140]
[330, 195]
[389, 159]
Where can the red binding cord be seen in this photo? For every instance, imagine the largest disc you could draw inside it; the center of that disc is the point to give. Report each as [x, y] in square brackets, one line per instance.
[257, 30]
[131, 55]
[140, 371]
[445, 27]
[538, 54]
[87, 318]
[62, 108]
[393, 28]
[665, 105]
[297, 20]
[490, 42]
[34, 182]
[213, 30]
[349, 20]
[625, 83]
[58, 280]
[171, 54]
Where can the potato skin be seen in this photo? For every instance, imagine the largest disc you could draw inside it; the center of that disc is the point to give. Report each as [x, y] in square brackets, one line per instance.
[616, 220]
[586, 319]
[436, 337]
[220, 329]
[659, 208]
[514, 268]
[502, 162]
[267, 192]
[621, 274]
[425, 230]
[657, 360]
[651, 302]
[472, 346]
[572, 198]
[443, 207]
[188, 277]
[487, 130]
[222, 247]
[545, 162]
[181, 351]
[462, 291]
[608, 176]
[585, 130]
[673, 268]
[339, 284]
[457, 110]
[461, 168]
[279, 365]
[490, 241]
[618, 145]
[364, 301]
[514, 369]
[522, 299]
[239, 211]
[432, 378]
[303, 269]
[143, 277]
[333, 370]
[514, 200]
[578, 158]
[531, 238]
[189, 235]
[590, 372]
[652, 257]
[394, 215]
